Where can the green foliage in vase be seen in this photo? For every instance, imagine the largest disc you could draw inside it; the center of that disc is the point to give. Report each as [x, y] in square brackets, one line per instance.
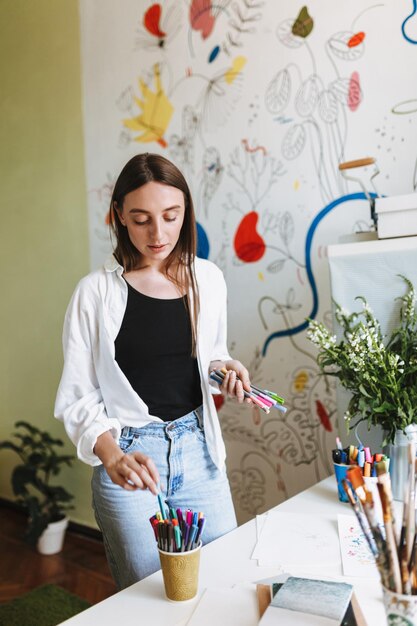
[30, 479]
[379, 371]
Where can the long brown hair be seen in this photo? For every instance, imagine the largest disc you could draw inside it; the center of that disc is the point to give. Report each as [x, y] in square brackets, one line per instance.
[179, 265]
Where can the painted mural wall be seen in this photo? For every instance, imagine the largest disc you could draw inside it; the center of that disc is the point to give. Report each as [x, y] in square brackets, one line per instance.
[258, 102]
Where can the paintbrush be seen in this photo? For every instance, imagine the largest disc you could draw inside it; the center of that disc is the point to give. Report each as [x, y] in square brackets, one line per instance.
[410, 529]
[412, 565]
[406, 539]
[403, 545]
[361, 518]
[385, 493]
[366, 499]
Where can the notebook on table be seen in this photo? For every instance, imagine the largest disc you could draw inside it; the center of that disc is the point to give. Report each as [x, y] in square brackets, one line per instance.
[304, 600]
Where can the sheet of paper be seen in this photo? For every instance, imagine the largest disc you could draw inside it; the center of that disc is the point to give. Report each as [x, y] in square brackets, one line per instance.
[234, 606]
[260, 523]
[357, 558]
[298, 540]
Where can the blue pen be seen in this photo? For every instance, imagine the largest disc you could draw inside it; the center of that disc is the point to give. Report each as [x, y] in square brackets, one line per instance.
[195, 518]
[201, 523]
[283, 409]
[218, 379]
[193, 533]
[162, 507]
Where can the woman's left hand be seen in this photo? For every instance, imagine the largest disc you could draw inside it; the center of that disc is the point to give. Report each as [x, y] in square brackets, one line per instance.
[236, 381]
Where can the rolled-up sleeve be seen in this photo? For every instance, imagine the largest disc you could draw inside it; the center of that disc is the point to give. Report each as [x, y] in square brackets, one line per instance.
[79, 402]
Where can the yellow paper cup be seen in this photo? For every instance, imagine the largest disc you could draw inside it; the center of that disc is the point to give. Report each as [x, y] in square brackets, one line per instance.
[400, 608]
[180, 573]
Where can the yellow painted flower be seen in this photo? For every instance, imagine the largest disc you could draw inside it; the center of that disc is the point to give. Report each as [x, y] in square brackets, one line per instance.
[156, 114]
[300, 381]
[237, 66]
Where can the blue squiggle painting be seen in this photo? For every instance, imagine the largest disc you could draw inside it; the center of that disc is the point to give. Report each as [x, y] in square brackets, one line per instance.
[413, 41]
[286, 332]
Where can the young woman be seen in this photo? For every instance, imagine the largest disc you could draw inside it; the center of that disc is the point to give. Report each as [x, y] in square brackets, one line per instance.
[141, 336]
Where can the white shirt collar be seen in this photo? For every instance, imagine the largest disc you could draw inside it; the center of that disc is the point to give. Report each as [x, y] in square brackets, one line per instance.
[112, 265]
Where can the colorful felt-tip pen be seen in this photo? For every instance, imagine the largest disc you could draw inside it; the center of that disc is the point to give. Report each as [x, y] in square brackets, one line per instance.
[162, 506]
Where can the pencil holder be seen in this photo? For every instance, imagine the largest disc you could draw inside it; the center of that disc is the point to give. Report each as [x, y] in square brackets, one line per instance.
[180, 573]
[340, 472]
[400, 609]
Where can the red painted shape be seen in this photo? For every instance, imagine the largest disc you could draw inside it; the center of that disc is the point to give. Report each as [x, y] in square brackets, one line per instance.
[354, 95]
[218, 401]
[247, 147]
[356, 39]
[248, 244]
[151, 20]
[323, 416]
[201, 17]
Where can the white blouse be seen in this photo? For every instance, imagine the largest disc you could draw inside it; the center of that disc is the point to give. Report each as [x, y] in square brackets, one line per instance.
[94, 395]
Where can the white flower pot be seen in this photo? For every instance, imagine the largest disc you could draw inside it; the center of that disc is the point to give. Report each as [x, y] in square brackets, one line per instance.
[52, 538]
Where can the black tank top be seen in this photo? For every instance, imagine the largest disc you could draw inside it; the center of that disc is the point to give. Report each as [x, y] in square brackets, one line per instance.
[153, 349]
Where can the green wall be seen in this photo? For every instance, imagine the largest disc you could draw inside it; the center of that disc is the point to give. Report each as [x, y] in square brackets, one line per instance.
[44, 237]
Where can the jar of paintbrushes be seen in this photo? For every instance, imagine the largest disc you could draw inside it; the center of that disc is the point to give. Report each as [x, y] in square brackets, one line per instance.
[391, 540]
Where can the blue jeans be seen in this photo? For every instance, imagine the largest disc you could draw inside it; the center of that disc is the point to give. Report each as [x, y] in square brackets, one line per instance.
[189, 479]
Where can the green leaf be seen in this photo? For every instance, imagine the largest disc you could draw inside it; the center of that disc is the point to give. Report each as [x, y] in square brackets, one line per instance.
[22, 476]
[363, 390]
[9, 445]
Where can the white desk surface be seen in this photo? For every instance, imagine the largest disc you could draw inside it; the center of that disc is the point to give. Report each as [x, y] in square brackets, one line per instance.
[226, 562]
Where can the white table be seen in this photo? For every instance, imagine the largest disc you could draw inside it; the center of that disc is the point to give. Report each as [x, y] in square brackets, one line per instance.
[226, 562]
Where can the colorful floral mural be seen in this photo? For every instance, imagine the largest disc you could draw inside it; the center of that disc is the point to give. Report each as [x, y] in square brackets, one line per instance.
[258, 102]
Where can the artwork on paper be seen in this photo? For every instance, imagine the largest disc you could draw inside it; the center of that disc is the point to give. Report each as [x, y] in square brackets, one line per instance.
[357, 558]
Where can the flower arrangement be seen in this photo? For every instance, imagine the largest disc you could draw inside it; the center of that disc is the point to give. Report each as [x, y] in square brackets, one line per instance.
[380, 372]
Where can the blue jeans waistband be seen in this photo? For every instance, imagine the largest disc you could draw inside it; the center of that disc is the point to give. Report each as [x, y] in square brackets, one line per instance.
[195, 418]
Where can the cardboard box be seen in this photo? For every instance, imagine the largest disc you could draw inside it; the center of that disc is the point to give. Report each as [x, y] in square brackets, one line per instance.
[397, 216]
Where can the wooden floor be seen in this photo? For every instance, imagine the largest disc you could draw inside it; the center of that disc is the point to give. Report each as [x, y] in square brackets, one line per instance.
[80, 568]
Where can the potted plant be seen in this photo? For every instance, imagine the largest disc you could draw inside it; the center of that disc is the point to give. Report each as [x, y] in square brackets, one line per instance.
[379, 371]
[31, 482]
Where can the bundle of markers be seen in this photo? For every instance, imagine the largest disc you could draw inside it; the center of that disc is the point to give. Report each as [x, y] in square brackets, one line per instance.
[174, 531]
[395, 552]
[360, 456]
[263, 398]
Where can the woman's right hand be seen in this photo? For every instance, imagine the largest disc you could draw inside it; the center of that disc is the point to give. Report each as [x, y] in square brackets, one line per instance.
[131, 471]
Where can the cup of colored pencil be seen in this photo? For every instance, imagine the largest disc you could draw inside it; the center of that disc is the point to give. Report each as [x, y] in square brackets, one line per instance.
[264, 399]
[393, 544]
[179, 540]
